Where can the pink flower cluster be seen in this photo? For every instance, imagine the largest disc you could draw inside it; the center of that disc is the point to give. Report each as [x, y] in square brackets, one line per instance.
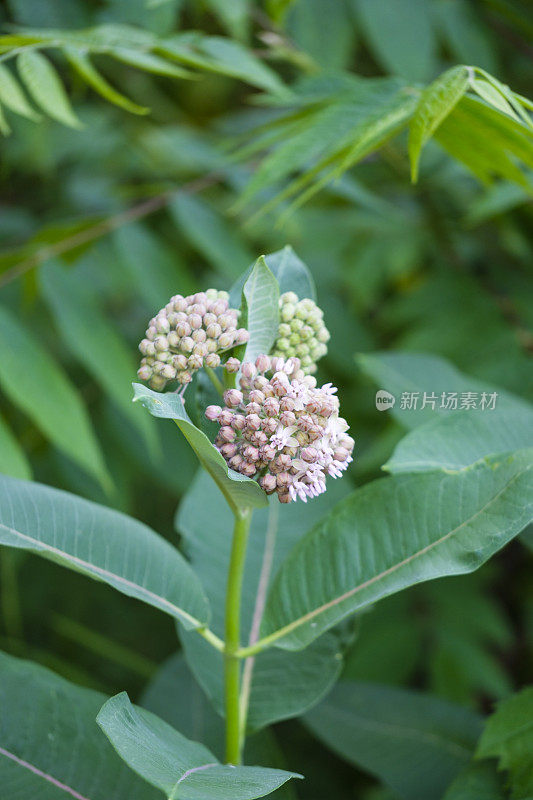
[283, 429]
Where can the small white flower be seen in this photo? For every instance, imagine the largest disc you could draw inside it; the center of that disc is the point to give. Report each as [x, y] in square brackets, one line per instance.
[284, 438]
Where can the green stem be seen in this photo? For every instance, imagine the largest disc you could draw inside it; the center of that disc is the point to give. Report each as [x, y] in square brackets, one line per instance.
[234, 734]
[213, 377]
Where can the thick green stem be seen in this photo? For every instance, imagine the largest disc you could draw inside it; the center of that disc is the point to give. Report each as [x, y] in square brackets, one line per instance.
[234, 734]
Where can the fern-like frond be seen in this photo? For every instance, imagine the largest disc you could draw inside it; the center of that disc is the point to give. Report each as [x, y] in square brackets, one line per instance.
[183, 56]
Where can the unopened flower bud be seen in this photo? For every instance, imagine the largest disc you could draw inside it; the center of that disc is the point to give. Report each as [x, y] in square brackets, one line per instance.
[241, 336]
[184, 377]
[253, 422]
[214, 330]
[226, 433]
[249, 370]
[183, 329]
[262, 363]
[213, 413]
[228, 450]
[268, 483]
[186, 344]
[233, 397]
[145, 372]
[194, 362]
[161, 343]
[226, 417]
[225, 340]
[212, 360]
[232, 365]
[195, 321]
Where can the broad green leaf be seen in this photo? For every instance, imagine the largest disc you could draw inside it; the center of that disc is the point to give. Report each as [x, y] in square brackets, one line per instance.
[13, 460]
[175, 696]
[508, 736]
[45, 87]
[103, 544]
[12, 96]
[239, 491]
[50, 745]
[280, 684]
[394, 533]
[290, 271]
[35, 383]
[235, 16]
[260, 310]
[211, 235]
[435, 103]
[458, 440]
[181, 768]
[419, 381]
[414, 743]
[400, 35]
[93, 340]
[476, 782]
[84, 67]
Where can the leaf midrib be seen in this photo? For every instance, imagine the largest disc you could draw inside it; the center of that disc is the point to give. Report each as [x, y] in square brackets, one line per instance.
[174, 610]
[40, 774]
[337, 600]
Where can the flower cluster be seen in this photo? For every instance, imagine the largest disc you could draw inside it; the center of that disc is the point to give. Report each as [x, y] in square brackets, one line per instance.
[282, 429]
[187, 334]
[301, 332]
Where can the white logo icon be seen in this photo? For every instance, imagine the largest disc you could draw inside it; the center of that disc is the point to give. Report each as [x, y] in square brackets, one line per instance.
[384, 400]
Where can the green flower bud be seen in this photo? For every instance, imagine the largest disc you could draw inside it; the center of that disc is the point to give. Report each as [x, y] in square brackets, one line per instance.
[301, 332]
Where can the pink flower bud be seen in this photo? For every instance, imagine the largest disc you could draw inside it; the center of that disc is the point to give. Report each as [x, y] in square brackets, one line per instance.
[228, 450]
[256, 396]
[262, 363]
[271, 406]
[235, 462]
[268, 452]
[268, 483]
[184, 377]
[226, 433]
[168, 372]
[269, 425]
[283, 479]
[249, 370]
[232, 397]
[195, 321]
[226, 417]
[253, 408]
[213, 413]
[287, 418]
[260, 383]
[237, 423]
[232, 365]
[242, 336]
[341, 454]
[248, 469]
[310, 455]
[151, 333]
[218, 307]
[209, 319]
[253, 422]
[286, 404]
[251, 453]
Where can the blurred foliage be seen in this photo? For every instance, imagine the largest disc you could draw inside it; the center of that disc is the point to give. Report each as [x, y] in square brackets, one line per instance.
[103, 221]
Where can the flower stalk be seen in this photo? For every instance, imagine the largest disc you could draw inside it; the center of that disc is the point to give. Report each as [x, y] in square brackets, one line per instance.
[232, 661]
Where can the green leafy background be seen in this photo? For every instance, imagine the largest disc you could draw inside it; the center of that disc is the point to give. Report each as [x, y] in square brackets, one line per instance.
[159, 146]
